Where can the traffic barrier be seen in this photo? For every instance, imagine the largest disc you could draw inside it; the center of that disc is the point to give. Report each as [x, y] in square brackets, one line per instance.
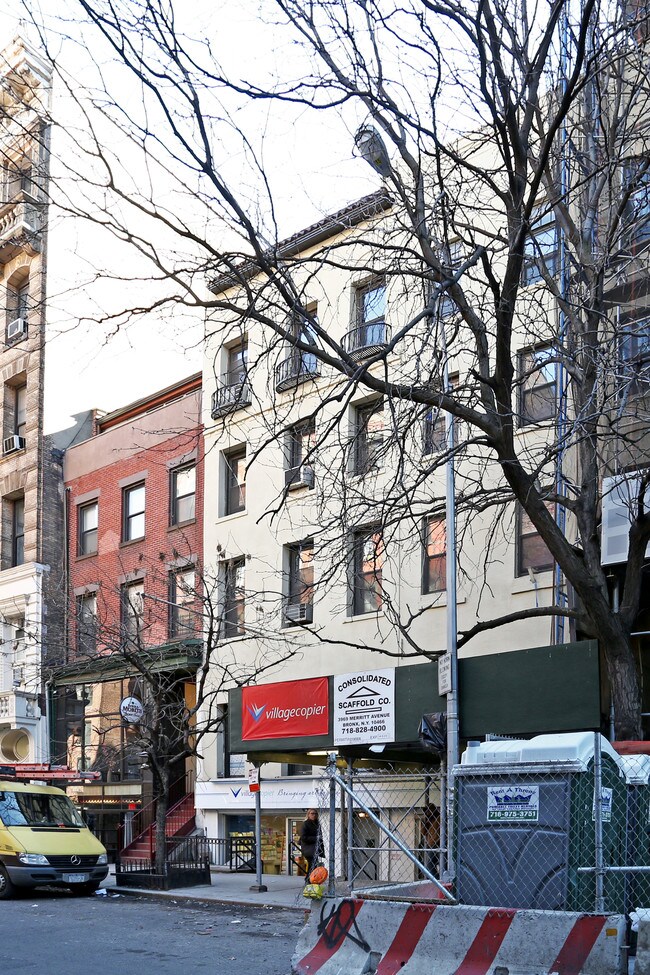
[642, 961]
[351, 936]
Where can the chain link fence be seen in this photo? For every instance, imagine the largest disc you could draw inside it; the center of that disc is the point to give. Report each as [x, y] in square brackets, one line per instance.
[383, 826]
[520, 835]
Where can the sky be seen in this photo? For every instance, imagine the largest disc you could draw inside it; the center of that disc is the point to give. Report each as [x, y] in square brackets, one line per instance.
[312, 168]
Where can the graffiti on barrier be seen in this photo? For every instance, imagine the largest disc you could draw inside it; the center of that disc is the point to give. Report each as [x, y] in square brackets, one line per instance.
[341, 924]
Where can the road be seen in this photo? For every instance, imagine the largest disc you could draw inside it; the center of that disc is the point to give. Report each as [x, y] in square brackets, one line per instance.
[53, 933]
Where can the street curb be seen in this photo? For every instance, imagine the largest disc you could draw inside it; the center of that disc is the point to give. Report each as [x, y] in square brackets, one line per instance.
[189, 899]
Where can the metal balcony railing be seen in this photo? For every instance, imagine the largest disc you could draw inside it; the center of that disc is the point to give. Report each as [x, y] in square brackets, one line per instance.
[366, 340]
[296, 369]
[229, 397]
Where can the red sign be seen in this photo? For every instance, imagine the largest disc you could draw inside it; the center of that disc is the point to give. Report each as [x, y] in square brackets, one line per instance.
[290, 709]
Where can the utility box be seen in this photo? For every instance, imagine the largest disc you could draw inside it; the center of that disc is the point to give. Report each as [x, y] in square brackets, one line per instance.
[525, 821]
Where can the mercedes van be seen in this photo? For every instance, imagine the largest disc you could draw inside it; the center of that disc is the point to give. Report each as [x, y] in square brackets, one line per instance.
[44, 840]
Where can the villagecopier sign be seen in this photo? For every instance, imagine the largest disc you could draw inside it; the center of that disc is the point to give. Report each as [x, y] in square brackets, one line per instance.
[289, 709]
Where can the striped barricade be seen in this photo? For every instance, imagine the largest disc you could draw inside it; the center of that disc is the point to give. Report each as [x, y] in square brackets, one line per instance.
[351, 937]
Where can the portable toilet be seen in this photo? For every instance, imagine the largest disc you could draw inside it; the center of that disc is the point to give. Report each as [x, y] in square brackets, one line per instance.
[637, 777]
[525, 821]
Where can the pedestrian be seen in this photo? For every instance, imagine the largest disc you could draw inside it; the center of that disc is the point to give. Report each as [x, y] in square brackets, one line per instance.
[430, 833]
[311, 841]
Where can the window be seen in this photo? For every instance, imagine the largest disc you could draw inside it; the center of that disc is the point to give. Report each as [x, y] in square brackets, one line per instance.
[537, 395]
[87, 528]
[132, 610]
[300, 591]
[19, 410]
[446, 304]
[434, 572]
[183, 494]
[87, 624]
[635, 354]
[304, 331]
[234, 599]
[637, 219]
[368, 558]
[300, 444]
[369, 437]
[182, 591]
[541, 250]
[133, 499]
[236, 366]
[532, 552]
[235, 481]
[17, 311]
[18, 531]
[371, 313]
[435, 431]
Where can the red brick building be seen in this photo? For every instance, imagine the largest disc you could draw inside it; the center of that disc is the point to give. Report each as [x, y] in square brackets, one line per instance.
[134, 514]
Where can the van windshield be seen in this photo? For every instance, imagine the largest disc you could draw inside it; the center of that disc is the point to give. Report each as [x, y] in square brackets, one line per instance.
[37, 809]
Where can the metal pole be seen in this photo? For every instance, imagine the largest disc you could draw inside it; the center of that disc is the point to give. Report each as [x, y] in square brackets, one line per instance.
[444, 855]
[258, 885]
[331, 862]
[452, 622]
[599, 905]
[350, 799]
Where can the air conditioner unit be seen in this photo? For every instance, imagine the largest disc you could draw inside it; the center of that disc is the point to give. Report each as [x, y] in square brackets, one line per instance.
[299, 477]
[299, 612]
[11, 444]
[16, 328]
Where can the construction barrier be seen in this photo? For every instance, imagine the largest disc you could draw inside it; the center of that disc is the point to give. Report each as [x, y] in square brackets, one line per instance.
[642, 961]
[351, 936]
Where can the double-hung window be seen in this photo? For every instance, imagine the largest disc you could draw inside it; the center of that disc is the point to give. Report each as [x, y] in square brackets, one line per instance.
[446, 304]
[538, 384]
[132, 611]
[434, 431]
[234, 602]
[300, 594]
[434, 569]
[635, 355]
[369, 436]
[87, 624]
[87, 524]
[541, 250]
[237, 363]
[133, 501]
[367, 565]
[532, 552]
[234, 468]
[182, 595]
[637, 218]
[182, 494]
[18, 531]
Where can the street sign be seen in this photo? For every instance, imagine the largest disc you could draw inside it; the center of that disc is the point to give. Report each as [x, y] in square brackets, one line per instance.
[253, 779]
[444, 674]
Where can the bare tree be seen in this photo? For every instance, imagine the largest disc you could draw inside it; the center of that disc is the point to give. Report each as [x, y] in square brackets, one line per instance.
[513, 253]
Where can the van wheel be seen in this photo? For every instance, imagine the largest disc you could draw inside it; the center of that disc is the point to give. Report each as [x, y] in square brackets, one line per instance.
[7, 889]
[84, 890]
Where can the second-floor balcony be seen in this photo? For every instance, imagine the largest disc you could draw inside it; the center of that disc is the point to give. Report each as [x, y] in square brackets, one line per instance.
[366, 340]
[20, 227]
[298, 368]
[229, 397]
[18, 706]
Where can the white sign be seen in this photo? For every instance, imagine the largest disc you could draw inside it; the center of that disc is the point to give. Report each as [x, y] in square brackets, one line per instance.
[131, 710]
[253, 779]
[513, 804]
[364, 707]
[444, 674]
[605, 806]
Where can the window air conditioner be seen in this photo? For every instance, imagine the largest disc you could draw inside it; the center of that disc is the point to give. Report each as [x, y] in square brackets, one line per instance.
[299, 477]
[16, 328]
[11, 444]
[299, 612]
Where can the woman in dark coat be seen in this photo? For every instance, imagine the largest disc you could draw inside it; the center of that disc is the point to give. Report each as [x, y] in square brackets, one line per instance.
[311, 841]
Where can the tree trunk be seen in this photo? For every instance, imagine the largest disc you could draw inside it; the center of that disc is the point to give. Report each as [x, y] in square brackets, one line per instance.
[161, 786]
[624, 684]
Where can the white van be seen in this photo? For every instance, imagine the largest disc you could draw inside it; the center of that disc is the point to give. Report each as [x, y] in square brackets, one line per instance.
[44, 840]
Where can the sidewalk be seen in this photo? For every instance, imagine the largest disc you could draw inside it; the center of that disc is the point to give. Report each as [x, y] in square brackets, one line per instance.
[228, 887]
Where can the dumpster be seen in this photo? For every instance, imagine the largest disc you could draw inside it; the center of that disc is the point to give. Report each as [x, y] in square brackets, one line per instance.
[525, 821]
